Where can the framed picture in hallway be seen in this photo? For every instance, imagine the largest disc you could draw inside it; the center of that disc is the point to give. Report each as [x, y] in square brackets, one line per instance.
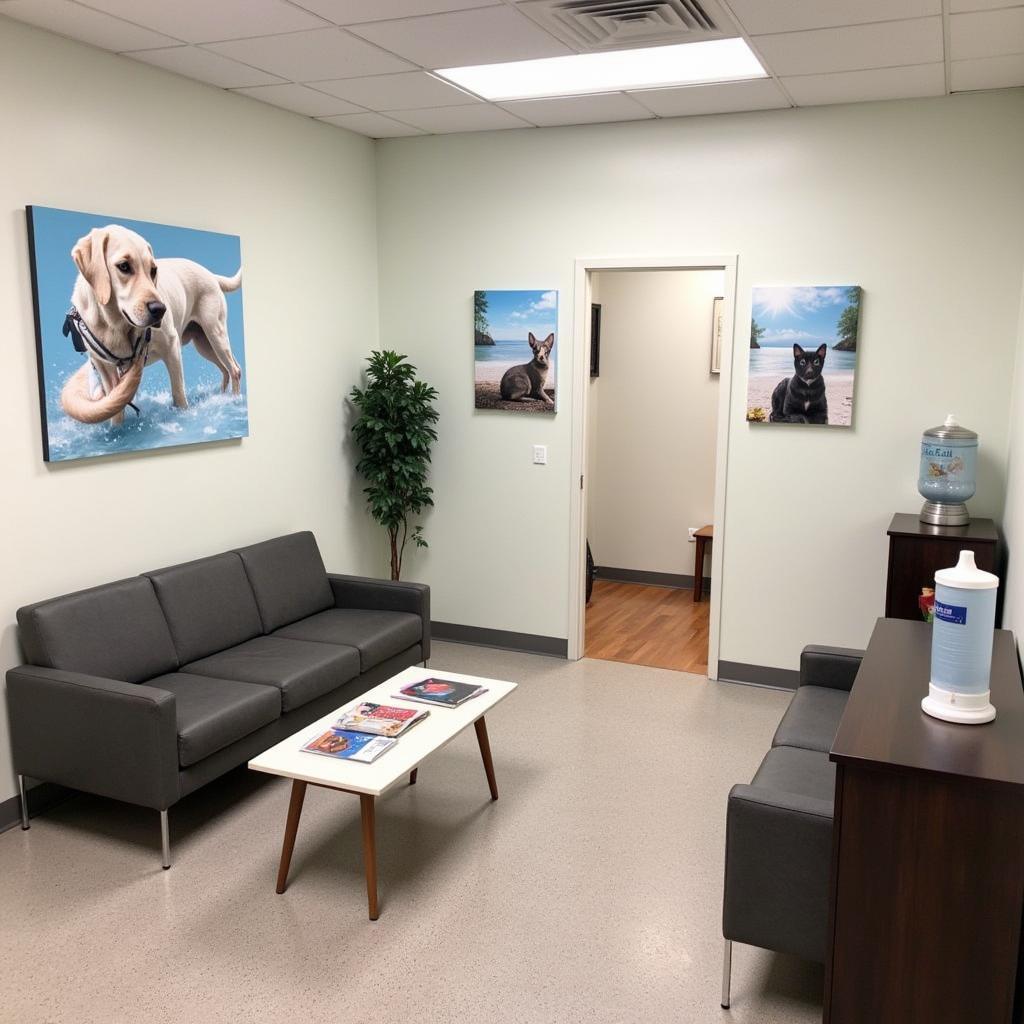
[514, 350]
[139, 334]
[717, 320]
[803, 354]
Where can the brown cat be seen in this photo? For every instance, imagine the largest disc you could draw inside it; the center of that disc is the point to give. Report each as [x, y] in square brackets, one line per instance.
[527, 379]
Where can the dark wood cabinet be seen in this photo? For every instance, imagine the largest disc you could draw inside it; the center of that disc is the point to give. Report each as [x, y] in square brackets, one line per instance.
[927, 887]
[917, 550]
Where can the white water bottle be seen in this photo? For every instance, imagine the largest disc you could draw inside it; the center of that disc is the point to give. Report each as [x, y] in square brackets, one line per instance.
[962, 636]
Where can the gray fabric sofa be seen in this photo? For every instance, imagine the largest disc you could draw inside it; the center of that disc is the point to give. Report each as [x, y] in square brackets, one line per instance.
[778, 847]
[146, 689]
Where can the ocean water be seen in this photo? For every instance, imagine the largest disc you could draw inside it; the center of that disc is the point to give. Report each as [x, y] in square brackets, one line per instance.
[780, 360]
[512, 353]
[211, 416]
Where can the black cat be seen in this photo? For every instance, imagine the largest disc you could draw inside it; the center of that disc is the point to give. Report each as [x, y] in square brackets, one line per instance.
[801, 398]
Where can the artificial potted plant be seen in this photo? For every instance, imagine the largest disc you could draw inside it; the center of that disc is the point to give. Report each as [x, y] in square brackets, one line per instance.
[394, 431]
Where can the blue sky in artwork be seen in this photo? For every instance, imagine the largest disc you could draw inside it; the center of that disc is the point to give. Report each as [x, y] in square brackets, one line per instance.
[514, 314]
[802, 316]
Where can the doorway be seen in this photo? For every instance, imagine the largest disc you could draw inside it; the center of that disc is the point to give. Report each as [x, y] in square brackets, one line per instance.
[650, 435]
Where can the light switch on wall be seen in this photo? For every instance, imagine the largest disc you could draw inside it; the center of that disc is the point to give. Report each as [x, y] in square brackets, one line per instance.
[540, 454]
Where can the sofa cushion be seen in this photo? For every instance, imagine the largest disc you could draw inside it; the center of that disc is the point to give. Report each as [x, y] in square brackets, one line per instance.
[213, 713]
[376, 635]
[116, 631]
[209, 605]
[801, 772]
[301, 670]
[288, 578]
[812, 719]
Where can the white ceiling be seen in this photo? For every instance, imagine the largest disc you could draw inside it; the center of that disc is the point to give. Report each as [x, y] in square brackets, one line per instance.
[364, 64]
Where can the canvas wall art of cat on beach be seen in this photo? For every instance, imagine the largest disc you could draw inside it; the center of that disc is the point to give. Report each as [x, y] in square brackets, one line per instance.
[803, 355]
[514, 350]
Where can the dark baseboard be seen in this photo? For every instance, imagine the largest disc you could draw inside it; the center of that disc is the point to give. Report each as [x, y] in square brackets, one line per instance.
[649, 579]
[41, 798]
[758, 675]
[529, 643]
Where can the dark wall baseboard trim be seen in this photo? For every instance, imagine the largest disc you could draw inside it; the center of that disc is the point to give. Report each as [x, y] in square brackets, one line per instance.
[650, 579]
[758, 675]
[41, 798]
[530, 643]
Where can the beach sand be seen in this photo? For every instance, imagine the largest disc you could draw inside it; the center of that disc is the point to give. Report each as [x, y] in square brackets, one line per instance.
[488, 396]
[838, 392]
[488, 389]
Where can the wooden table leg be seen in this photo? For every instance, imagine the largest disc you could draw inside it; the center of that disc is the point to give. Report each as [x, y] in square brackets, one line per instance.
[412, 776]
[290, 830]
[698, 569]
[366, 806]
[485, 753]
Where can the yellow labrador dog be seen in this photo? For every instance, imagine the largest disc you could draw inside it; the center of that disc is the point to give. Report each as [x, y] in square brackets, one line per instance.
[130, 309]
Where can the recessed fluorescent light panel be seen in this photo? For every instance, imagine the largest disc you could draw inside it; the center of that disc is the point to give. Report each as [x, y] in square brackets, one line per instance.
[715, 60]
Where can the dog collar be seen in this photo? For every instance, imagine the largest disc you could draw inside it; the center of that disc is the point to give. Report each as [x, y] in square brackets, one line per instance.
[85, 341]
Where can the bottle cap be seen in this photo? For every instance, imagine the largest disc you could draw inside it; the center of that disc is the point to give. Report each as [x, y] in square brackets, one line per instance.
[966, 575]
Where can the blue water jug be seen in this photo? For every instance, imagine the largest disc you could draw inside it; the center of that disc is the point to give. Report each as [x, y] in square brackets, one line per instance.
[962, 635]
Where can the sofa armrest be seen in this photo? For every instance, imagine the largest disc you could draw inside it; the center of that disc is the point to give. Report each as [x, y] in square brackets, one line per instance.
[103, 736]
[834, 667]
[778, 852]
[384, 595]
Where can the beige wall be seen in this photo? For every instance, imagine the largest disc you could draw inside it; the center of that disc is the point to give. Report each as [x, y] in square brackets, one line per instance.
[89, 131]
[919, 202]
[1013, 513]
[653, 439]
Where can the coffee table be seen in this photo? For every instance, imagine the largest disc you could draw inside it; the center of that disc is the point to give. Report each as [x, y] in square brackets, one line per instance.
[369, 781]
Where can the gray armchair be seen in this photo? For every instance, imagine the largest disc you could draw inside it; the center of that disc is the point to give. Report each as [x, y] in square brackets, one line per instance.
[778, 846]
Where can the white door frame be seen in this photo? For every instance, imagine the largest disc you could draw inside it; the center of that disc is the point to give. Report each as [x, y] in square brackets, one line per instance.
[580, 377]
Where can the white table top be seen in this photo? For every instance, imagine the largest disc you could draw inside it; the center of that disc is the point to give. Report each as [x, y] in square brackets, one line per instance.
[441, 726]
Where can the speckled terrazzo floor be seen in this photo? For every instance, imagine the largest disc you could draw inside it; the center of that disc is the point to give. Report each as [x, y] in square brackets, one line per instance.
[589, 892]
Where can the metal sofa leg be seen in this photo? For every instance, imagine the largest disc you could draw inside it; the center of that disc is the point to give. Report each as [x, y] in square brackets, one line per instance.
[165, 839]
[726, 974]
[24, 803]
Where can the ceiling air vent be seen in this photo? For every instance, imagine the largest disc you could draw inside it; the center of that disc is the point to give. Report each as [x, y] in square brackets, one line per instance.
[589, 25]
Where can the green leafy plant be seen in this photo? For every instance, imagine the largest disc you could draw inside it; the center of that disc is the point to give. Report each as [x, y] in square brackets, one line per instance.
[394, 431]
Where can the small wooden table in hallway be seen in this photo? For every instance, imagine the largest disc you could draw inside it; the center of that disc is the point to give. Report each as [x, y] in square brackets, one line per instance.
[701, 537]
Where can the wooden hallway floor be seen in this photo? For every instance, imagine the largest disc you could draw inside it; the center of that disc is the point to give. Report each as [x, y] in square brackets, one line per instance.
[642, 625]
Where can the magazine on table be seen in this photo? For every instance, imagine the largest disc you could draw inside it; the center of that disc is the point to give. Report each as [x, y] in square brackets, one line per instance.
[349, 746]
[380, 719]
[445, 693]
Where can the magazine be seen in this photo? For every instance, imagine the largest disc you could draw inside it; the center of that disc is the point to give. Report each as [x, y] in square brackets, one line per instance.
[350, 746]
[380, 719]
[445, 692]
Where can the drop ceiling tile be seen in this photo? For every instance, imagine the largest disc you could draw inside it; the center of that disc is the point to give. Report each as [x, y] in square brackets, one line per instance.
[484, 36]
[377, 126]
[959, 6]
[875, 84]
[204, 66]
[986, 34]
[855, 47]
[479, 117]
[203, 21]
[300, 99]
[322, 54]
[988, 73]
[410, 90]
[87, 26]
[351, 12]
[759, 17]
[615, 106]
[728, 98]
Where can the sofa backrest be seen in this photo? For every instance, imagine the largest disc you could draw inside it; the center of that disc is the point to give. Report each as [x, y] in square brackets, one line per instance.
[117, 631]
[288, 578]
[209, 605]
